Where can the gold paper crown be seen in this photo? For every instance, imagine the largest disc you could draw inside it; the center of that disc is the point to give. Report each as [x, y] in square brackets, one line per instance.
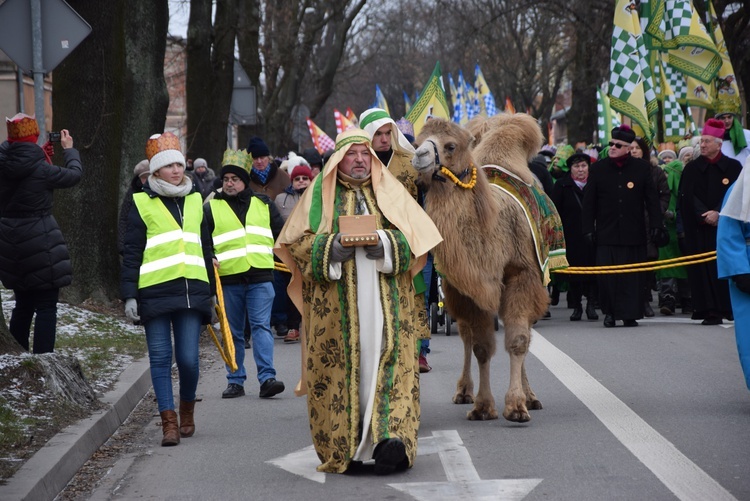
[21, 126]
[240, 158]
[162, 142]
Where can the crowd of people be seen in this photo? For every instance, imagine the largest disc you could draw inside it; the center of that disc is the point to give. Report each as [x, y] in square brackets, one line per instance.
[268, 229]
[627, 203]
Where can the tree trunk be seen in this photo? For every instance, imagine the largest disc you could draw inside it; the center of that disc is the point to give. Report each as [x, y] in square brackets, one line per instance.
[8, 345]
[210, 76]
[110, 93]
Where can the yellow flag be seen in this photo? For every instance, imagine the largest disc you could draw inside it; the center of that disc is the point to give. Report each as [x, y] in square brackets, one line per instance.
[726, 93]
[431, 102]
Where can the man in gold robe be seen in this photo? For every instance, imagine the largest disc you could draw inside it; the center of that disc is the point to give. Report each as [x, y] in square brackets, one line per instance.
[359, 356]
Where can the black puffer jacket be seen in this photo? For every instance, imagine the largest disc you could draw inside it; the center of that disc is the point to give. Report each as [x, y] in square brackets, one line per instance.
[33, 254]
[173, 295]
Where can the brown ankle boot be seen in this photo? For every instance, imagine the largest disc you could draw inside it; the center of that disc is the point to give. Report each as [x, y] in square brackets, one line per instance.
[169, 427]
[187, 425]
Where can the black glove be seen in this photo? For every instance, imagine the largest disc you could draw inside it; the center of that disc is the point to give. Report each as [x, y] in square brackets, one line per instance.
[375, 251]
[742, 282]
[339, 253]
[590, 239]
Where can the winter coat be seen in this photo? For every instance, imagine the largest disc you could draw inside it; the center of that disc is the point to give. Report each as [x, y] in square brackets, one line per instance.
[33, 253]
[276, 182]
[240, 204]
[286, 201]
[173, 295]
[614, 202]
[568, 199]
[662, 190]
[127, 201]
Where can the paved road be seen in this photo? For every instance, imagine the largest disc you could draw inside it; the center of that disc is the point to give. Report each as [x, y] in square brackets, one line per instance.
[658, 412]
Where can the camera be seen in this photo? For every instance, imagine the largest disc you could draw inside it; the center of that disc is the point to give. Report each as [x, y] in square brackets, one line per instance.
[54, 137]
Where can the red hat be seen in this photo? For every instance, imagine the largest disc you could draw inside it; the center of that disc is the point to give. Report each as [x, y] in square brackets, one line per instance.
[301, 170]
[713, 127]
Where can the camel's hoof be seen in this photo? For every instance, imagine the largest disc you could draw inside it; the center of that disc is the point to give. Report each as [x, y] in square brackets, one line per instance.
[460, 398]
[481, 415]
[534, 405]
[517, 416]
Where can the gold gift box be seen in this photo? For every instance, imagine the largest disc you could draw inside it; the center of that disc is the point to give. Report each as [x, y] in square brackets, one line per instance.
[358, 231]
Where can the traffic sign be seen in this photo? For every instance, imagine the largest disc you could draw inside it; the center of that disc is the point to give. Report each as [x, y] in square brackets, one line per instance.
[62, 30]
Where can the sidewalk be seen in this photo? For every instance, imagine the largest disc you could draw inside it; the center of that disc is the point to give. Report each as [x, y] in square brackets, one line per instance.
[48, 471]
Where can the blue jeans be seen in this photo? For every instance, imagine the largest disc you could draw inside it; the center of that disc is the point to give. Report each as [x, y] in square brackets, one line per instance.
[187, 328]
[280, 300]
[255, 301]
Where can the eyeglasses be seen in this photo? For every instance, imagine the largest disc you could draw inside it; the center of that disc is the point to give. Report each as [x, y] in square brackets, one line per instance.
[301, 178]
[617, 145]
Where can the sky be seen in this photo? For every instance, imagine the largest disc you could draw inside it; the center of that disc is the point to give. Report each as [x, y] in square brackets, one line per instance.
[179, 12]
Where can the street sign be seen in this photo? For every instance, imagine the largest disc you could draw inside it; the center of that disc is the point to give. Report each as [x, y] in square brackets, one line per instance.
[62, 30]
[243, 110]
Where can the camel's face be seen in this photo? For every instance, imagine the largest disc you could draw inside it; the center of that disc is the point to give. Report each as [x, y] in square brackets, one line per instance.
[439, 144]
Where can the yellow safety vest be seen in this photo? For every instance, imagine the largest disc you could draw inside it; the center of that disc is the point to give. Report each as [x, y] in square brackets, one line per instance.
[171, 251]
[239, 248]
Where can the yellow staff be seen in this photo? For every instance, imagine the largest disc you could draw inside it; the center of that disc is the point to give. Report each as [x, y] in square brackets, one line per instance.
[227, 350]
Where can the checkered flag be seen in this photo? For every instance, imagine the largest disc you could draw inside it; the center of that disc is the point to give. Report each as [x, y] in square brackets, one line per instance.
[673, 116]
[631, 88]
[320, 139]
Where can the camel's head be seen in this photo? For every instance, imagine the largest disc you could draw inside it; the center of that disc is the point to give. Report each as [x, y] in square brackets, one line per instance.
[441, 144]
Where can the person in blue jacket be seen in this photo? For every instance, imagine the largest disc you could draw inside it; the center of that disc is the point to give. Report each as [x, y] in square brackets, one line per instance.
[733, 260]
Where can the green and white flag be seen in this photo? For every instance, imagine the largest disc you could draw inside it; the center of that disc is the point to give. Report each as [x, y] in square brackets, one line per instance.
[726, 92]
[606, 120]
[673, 117]
[631, 89]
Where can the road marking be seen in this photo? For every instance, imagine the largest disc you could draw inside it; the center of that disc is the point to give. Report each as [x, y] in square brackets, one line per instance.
[463, 482]
[681, 320]
[680, 475]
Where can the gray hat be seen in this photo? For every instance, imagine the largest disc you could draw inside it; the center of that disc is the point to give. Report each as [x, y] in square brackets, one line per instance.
[140, 168]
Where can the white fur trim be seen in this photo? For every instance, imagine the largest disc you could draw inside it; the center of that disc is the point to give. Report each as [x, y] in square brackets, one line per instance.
[164, 158]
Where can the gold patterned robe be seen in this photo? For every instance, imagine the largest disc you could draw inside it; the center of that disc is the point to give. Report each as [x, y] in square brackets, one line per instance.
[332, 367]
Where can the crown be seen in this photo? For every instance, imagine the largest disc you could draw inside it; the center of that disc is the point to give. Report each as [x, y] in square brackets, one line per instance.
[162, 142]
[21, 126]
[240, 158]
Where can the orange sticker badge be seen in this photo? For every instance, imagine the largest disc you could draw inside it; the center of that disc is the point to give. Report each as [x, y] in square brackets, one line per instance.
[725, 181]
[630, 185]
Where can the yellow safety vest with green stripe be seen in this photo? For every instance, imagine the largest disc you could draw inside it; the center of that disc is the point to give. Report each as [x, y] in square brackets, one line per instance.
[171, 251]
[238, 247]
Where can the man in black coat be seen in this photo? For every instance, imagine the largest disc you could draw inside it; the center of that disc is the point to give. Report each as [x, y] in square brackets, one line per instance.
[703, 184]
[34, 259]
[619, 188]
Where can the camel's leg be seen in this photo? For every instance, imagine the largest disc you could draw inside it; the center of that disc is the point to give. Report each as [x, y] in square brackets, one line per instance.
[465, 385]
[532, 402]
[524, 300]
[483, 345]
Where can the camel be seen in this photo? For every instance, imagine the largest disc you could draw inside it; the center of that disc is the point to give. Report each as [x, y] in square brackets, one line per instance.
[487, 256]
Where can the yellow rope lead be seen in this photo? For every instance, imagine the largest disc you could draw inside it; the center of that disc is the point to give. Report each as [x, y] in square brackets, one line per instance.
[281, 267]
[639, 267]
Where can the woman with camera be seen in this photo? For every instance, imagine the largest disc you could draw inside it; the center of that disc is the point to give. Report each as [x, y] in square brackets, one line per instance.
[34, 259]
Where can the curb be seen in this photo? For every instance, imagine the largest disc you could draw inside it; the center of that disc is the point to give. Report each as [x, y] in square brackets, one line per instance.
[50, 469]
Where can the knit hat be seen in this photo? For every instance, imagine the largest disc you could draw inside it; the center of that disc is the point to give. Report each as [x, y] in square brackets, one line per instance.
[713, 127]
[294, 160]
[257, 147]
[200, 162]
[667, 153]
[313, 157]
[301, 170]
[236, 162]
[684, 152]
[623, 133]
[141, 168]
[23, 128]
[406, 128]
[163, 150]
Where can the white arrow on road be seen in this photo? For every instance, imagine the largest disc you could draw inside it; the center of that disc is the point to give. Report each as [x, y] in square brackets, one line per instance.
[463, 480]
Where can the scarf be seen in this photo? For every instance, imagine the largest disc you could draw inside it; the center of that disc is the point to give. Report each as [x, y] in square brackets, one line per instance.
[262, 174]
[737, 136]
[580, 184]
[165, 189]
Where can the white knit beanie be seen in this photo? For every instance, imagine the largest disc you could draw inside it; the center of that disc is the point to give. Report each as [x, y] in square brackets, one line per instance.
[163, 150]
